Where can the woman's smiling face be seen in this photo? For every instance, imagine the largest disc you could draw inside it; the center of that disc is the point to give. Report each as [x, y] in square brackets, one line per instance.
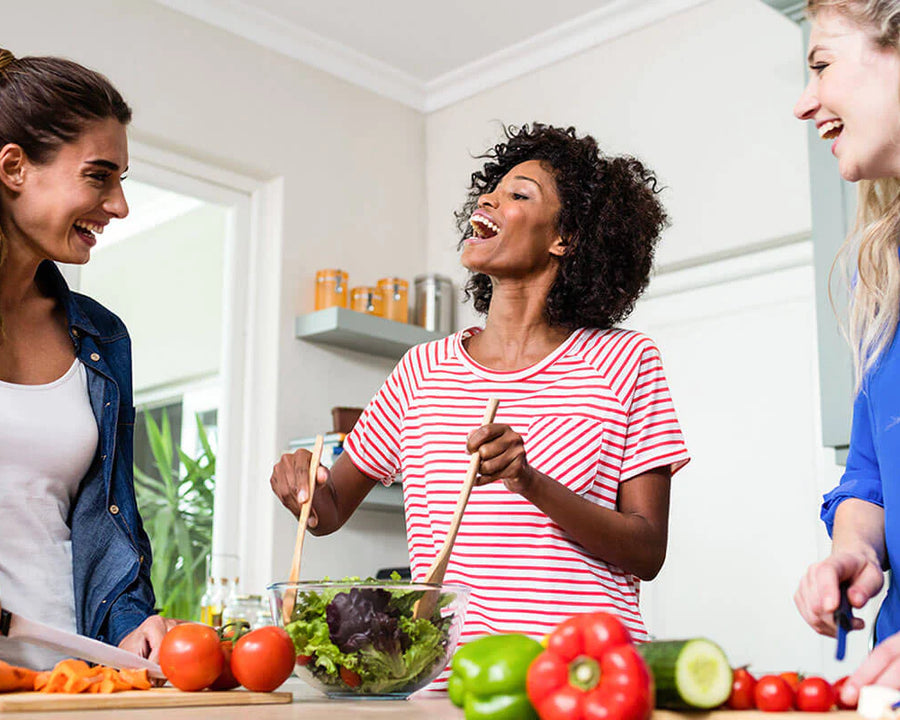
[515, 225]
[56, 209]
[853, 96]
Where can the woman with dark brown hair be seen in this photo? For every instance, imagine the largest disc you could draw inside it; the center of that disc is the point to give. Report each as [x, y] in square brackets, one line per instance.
[73, 552]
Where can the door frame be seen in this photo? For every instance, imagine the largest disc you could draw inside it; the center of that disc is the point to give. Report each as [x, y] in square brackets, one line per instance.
[250, 345]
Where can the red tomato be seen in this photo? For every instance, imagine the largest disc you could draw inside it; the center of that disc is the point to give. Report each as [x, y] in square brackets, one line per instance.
[791, 678]
[191, 657]
[303, 659]
[742, 688]
[837, 695]
[263, 659]
[773, 694]
[815, 694]
[350, 677]
[226, 681]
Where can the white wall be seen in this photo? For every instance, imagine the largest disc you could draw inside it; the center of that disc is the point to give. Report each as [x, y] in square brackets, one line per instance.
[351, 164]
[704, 98]
[166, 285]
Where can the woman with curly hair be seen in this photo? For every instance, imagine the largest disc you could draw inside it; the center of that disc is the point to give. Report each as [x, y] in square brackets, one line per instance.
[852, 97]
[572, 505]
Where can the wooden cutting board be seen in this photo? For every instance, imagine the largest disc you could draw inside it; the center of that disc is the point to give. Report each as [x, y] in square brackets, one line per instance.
[154, 698]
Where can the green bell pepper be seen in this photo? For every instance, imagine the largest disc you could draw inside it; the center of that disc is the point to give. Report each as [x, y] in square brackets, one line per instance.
[488, 677]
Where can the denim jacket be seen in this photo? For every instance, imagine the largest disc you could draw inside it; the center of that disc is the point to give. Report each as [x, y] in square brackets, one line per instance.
[110, 550]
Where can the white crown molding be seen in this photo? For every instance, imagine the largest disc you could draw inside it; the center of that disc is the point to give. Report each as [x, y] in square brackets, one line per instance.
[610, 21]
[299, 43]
[606, 23]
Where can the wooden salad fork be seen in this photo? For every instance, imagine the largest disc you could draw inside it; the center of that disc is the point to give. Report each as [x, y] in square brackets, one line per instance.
[290, 596]
[425, 605]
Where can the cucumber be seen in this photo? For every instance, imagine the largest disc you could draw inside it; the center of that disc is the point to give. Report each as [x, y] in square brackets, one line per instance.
[689, 674]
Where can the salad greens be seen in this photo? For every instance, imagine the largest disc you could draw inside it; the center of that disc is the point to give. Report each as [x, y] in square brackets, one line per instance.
[368, 629]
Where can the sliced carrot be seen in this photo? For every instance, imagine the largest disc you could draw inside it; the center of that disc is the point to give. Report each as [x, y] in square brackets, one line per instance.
[76, 676]
[40, 680]
[14, 678]
[55, 683]
[137, 679]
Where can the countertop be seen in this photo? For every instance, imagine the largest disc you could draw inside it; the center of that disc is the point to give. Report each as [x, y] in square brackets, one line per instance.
[308, 705]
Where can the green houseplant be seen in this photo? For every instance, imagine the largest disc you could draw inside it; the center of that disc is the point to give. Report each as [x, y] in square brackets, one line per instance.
[177, 508]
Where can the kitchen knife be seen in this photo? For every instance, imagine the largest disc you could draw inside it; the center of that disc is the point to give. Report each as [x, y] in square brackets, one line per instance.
[17, 627]
[843, 619]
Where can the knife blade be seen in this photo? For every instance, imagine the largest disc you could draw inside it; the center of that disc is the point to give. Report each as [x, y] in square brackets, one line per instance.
[14, 626]
[843, 619]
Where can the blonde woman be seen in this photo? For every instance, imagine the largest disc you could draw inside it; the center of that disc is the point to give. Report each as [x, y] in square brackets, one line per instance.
[853, 96]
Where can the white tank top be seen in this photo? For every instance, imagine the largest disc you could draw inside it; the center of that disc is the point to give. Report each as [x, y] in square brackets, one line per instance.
[48, 439]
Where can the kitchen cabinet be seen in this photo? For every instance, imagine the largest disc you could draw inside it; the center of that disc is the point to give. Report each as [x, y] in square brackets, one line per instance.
[833, 204]
[351, 330]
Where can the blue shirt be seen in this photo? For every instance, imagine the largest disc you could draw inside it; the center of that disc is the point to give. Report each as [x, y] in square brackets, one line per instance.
[110, 550]
[873, 468]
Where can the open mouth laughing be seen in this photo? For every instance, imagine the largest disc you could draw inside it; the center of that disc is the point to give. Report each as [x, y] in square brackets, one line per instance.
[830, 129]
[88, 230]
[483, 226]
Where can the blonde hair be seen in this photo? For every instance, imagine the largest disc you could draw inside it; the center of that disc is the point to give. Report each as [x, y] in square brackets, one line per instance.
[868, 259]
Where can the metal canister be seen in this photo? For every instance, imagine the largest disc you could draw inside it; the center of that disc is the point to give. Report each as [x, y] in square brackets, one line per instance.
[435, 303]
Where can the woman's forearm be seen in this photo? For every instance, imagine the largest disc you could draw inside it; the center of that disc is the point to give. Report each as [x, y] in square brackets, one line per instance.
[336, 500]
[859, 528]
[631, 538]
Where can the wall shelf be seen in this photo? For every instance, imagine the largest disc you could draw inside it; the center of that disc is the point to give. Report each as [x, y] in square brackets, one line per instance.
[358, 331]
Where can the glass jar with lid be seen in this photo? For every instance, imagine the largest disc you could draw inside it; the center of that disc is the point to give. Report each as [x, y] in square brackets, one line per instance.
[331, 289]
[367, 299]
[395, 296]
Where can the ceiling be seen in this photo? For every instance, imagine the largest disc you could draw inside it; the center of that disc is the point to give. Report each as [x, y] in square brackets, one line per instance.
[429, 54]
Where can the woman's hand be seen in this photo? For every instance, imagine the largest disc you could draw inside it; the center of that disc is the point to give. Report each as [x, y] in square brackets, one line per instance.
[290, 482]
[502, 452]
[881, 667]
[818, 595]
[145, 639]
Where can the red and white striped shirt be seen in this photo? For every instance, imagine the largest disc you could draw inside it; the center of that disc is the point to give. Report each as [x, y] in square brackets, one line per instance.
[592, 414]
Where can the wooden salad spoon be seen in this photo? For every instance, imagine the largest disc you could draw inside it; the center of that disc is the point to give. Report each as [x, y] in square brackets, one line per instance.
[290, 595]
[425, 605]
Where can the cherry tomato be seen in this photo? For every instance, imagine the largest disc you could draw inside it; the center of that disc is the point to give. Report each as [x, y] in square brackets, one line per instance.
[773, 694]
[838, 686]
[263, 659]
[303, 659]
[815, 694]
[226, 680]
[350, 677]
[190, 656]
[742, 688]
[792, 678]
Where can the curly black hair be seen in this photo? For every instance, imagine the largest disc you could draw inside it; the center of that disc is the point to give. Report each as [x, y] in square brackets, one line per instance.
[610, 220]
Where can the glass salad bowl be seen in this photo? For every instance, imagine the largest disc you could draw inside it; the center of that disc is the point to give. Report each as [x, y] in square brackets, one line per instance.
[359, 638]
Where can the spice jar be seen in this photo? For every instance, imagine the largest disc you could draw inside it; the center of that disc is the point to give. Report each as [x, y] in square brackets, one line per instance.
[395, 295]
[331, 289]
[366, 299]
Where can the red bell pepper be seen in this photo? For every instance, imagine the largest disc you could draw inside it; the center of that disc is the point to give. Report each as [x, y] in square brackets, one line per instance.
[590, 671]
